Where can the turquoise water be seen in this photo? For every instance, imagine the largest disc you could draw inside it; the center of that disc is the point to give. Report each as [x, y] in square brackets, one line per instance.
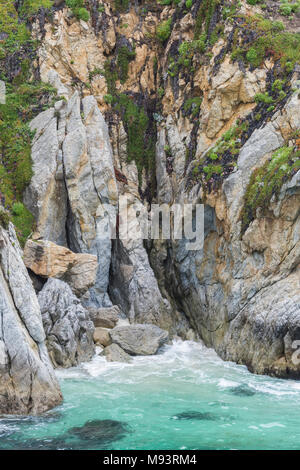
[184, 398]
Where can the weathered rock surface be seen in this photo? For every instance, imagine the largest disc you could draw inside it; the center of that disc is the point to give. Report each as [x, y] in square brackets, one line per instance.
[73, 192]
[101, 337]
[27, 381]
[105, 317]
[230, 289]
[139, 340]
[114, 353]
[219, 291]
[47, 259]
[69, 331]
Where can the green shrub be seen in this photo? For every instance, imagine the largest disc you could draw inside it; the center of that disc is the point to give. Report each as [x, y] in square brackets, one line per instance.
[285, 9]
[23, 221]
[270, 39]
[263, 98]
[124, 57]
[4, 219]
[78, 9]
[252, 56]
[163, 30]
[192, 106]
[30, 7]
[121, 5]
[266, 182]
[108, 99]
[189, 4]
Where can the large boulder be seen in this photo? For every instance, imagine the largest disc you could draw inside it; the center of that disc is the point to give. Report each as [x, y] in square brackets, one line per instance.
[114, 353]
[102, 337]
[105, 317]
[67, 325]
[139, 340]
[27, 381]
[47, 259]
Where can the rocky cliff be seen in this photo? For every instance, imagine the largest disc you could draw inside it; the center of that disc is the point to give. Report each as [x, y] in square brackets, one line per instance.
[169, 102]
[28, 383]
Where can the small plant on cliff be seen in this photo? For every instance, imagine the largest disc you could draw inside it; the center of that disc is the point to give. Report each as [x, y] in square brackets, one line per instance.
[23, 221]
[121, 5]
[125, 55]
[30, 7]
[78, 9]
[163, 30]
[4, 219]
[25, 98]
[266, 182]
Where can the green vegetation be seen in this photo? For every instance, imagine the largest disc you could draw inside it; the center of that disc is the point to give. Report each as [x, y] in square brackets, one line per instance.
[140, 130]
[192, 106]
[15, 33]
[204, 17]
[30, 7]
[288, 8]
[267, 181]
[221, 159]
[4, 219]
[263, 98]
[25, 98]
[163, 30]
[140, 145]
[269, 40]
[23, 221]
[78, 9]
[124, 57]
[121, 5]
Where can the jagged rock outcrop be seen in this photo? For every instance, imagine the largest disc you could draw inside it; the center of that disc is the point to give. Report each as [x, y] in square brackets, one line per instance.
[27, 381]
[230, 289]
[139, 340]
[69, 331]
[73, 192]
[46, 259]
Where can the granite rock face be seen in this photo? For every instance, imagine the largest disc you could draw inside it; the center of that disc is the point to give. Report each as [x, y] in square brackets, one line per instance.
[230, 290]
[139, 340]
[27, 381]
[73, 192]
[68, 329]
[47, 259]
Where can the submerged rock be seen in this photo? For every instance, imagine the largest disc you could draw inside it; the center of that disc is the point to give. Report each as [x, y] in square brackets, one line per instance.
[139, 340]
[114, 353]
[196, 415]
[99, 432]
[243, 391]
[68, 328]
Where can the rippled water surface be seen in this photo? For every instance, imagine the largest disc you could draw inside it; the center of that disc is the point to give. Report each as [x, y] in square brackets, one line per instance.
[184, 398]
